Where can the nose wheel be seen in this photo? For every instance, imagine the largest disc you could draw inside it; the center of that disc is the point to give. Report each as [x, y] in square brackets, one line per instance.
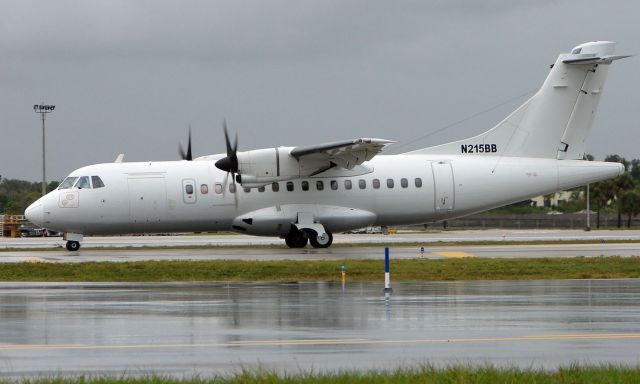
[73, 245]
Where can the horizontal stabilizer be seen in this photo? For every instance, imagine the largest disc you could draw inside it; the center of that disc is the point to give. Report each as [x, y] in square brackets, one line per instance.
[595, 60]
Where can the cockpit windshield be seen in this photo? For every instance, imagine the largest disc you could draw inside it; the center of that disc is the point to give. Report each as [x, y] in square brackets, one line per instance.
[81, 182]
[68, 182]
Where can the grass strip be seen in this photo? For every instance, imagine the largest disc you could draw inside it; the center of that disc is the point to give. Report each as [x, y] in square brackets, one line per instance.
[459, 374]
[325, 270]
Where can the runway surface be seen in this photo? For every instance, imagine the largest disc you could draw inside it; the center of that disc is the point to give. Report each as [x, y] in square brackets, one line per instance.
[426, 247]
[334, 253]
[183, 329]
[494, 235]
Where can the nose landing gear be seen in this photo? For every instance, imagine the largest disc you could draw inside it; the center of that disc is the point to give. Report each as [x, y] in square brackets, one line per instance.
[73, 245]
[73, 240]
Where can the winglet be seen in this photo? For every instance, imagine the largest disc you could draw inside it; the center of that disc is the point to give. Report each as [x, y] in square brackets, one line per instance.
[119, 158]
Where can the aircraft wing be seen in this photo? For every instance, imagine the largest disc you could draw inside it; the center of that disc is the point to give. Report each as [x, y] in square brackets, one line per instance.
[345, 154]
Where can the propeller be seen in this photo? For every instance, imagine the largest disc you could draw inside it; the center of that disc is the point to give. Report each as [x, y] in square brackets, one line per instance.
[186, 156]
[230, 162]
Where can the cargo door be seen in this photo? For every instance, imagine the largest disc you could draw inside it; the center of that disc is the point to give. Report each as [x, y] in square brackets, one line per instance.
[443, 185]
[147, 199]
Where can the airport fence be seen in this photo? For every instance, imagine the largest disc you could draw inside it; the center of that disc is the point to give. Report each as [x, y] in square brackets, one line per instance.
[536, 221]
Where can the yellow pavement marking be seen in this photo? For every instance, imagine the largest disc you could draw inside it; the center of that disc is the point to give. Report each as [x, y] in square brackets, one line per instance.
[312, 342]
[454, 254]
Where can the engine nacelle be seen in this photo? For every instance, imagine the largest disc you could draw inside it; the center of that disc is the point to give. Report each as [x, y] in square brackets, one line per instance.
[263, 166]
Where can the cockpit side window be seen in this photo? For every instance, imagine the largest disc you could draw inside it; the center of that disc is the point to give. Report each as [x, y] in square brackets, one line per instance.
[576, 51]
[97, 182]
[68, 182]
[83, 183]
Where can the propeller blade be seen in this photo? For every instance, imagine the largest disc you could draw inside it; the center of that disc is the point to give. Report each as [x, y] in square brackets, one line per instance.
[186, 156]
[224, 185]
[226, 138]
[235, 188]
[230, 162]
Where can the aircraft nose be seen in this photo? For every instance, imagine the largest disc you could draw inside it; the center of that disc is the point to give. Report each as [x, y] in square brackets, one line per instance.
[35, 213]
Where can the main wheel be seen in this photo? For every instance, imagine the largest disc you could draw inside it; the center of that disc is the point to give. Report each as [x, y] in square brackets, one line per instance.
[321, 241]
[73, 245]
[296, 239]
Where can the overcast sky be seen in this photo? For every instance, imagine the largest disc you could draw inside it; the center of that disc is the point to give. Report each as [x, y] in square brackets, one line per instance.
[129, 76]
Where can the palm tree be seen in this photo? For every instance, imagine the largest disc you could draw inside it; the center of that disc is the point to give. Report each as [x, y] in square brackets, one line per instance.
[601, 193]
[621, 186]
[630, 204]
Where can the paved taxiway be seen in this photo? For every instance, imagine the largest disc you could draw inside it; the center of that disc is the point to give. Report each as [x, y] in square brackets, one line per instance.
[183, 329]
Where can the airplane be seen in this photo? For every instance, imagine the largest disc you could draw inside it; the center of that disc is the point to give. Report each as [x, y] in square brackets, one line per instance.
[307, 193]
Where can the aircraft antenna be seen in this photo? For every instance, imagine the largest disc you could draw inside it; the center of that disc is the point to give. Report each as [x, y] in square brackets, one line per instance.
[396, 148]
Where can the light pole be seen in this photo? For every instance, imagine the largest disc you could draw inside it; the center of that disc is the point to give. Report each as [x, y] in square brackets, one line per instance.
[588, 210]
[43, 109]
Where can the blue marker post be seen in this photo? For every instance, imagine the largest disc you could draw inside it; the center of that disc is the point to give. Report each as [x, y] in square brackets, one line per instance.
[387, 276]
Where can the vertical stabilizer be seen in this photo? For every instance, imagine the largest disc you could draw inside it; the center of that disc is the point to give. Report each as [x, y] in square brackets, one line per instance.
[556, 121]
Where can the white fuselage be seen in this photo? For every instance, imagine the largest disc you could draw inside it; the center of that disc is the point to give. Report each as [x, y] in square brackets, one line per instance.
[153, 196]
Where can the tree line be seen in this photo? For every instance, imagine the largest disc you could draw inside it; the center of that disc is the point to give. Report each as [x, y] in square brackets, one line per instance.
[620, 194]
[17, 195]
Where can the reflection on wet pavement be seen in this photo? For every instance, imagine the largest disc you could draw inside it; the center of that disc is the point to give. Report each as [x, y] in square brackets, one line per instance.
[214, 328]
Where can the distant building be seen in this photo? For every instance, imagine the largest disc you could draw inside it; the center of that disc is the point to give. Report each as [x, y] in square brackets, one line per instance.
[552, 200]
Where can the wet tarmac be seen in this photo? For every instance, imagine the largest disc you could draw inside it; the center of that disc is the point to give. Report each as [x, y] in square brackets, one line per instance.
[184, 329]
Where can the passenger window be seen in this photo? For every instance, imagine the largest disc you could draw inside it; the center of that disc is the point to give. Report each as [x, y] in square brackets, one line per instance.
[188, 189]
[389, 183]
[347, 184]
[290, 186]
[376, 183]
[67, 183]
[97, 182]
[275, 187]
[218, 188]
[232, 188]
[319, 185]
[261, 189]
[305, 185]
[83, 183]
[204, 189]
[404, 183]
[362, 184]
[246, 190]
[418, 182]
[334, 184]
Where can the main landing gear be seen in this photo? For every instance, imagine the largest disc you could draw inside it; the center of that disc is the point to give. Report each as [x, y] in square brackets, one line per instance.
[73, 245]
[298, 239]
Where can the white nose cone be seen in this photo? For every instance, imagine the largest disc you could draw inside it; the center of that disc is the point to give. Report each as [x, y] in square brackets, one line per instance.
[35, 213]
